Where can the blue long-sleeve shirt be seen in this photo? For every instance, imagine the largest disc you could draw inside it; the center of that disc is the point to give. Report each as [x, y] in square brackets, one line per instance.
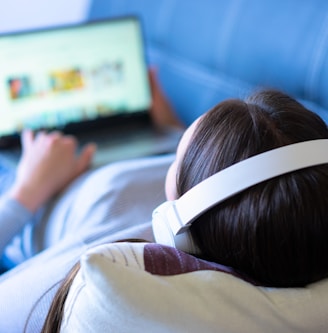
[105, 205]
[13, 217]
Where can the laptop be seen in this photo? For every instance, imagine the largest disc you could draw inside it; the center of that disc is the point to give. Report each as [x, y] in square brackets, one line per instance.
[88, 79]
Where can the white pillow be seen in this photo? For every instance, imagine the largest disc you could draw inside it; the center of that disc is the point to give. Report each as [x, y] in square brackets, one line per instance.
[114, 293]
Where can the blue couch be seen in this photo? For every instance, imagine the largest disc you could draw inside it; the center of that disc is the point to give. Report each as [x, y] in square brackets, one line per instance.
[211, 50]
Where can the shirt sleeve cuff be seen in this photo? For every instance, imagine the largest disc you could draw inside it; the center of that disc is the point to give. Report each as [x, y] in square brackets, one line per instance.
[13, 217]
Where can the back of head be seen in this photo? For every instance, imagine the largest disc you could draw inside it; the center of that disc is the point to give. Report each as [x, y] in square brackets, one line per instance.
[275, 232]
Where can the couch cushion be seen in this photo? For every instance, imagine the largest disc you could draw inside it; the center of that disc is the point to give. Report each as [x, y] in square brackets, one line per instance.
[132, 287]
[213, 50]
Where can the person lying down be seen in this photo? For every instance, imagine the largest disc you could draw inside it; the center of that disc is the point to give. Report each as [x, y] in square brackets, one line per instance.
[271, 229]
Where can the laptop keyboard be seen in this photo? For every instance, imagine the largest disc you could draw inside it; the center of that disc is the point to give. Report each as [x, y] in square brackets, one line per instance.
[115, 147]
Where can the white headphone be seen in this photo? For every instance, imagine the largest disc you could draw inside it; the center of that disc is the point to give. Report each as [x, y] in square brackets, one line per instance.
[172, 219]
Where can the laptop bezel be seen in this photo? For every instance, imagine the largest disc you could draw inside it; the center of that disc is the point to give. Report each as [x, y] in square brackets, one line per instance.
[140, 117]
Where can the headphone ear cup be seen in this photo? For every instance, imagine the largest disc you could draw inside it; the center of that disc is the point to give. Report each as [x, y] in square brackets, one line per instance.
[161, 227]
[163, 232]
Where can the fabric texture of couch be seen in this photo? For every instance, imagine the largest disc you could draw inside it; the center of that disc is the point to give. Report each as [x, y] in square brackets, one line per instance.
[207, 51]
[211, 50]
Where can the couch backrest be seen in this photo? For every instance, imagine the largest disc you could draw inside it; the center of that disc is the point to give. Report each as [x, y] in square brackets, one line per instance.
[214, 49]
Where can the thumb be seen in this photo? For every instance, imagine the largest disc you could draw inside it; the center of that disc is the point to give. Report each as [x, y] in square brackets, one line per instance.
[85, 158]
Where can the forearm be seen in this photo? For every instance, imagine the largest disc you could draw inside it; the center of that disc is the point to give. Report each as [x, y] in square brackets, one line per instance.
[13, 217]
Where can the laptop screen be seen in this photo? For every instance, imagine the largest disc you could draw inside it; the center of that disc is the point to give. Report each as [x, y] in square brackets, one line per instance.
[55, 77]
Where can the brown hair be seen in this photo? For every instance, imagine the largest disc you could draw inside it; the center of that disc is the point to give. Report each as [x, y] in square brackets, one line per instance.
[275, 232]
[56, 311]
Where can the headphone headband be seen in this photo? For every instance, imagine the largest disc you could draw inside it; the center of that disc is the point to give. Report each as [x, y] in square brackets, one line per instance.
[243, 175]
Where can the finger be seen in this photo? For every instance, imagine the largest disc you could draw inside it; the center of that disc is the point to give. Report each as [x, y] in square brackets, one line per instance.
[40, 135]
[55, 133]
[27, 138]
[85, 158]
[54, 136]
[59, 140]
[151, 75]
[156, 100]
[69, 140]
[153, 80]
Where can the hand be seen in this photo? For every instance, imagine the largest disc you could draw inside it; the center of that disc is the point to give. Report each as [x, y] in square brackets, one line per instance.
[161, 111]
[48, 164]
